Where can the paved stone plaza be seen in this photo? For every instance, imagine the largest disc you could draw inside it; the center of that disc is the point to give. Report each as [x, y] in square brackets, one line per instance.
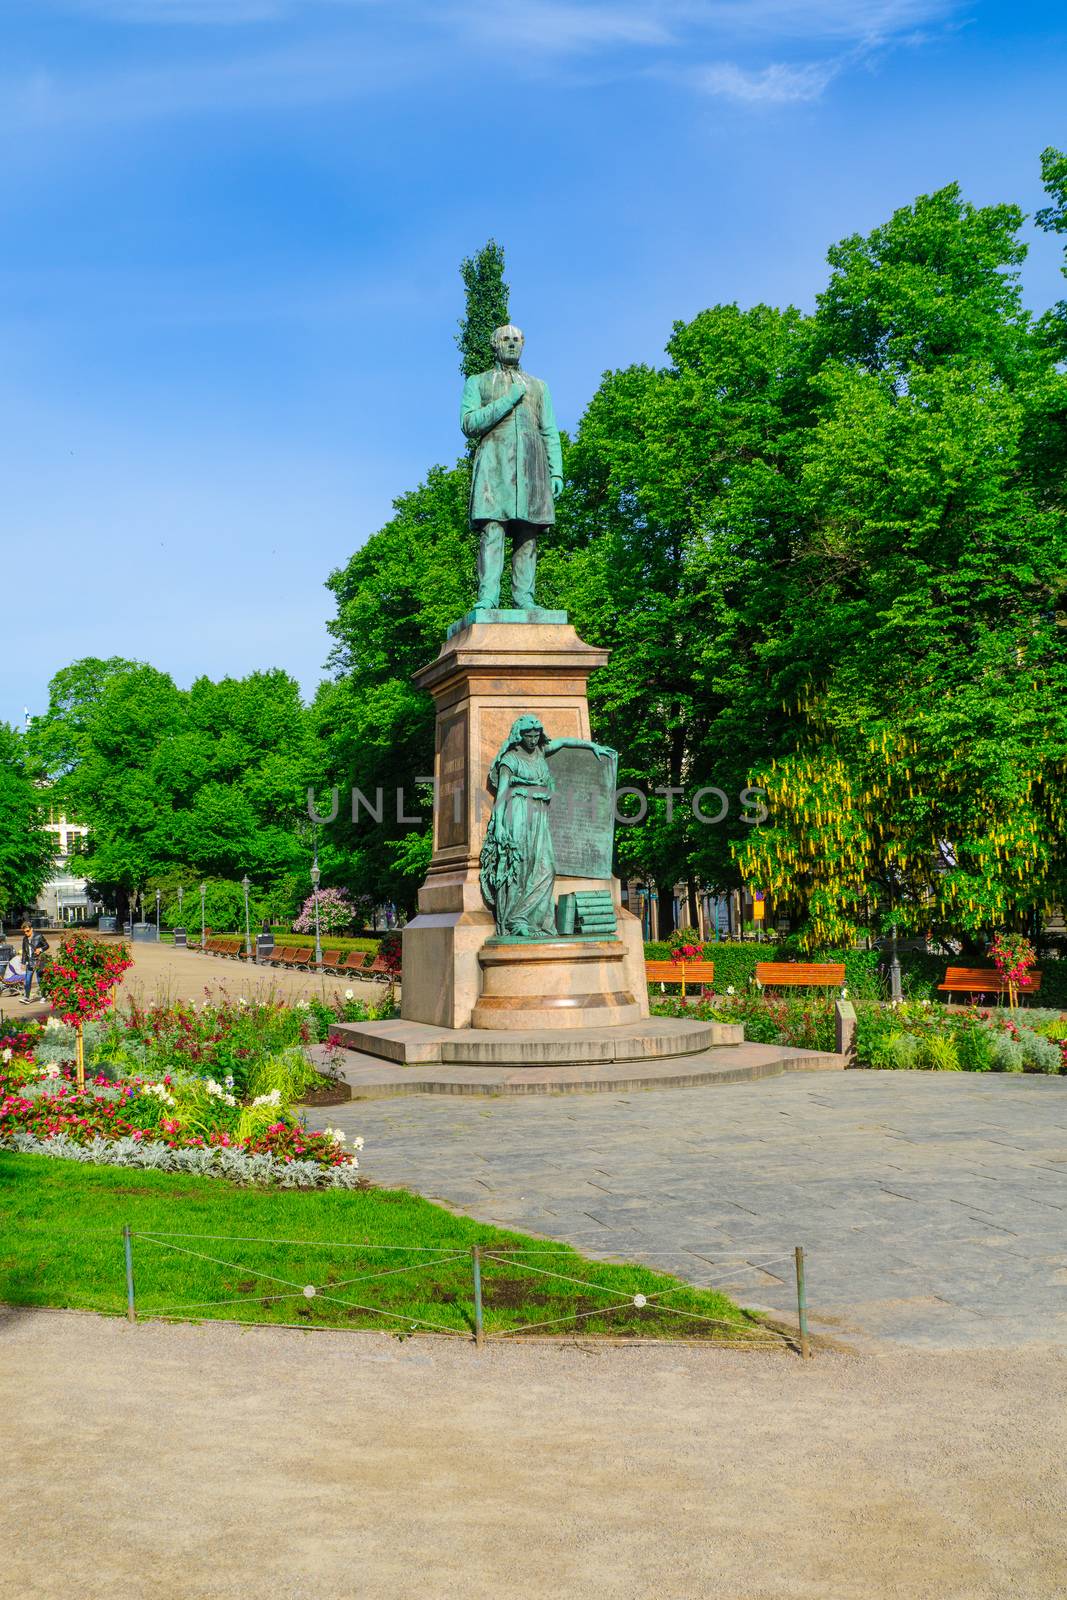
[933, 1208]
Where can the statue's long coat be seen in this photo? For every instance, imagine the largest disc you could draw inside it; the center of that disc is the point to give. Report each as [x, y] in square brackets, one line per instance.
[518, 450]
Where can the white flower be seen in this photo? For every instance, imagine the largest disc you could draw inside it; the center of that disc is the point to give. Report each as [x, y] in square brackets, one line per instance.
[272, 1099]
[53, 1022]
[6, 1056]
[219, 1093]
[51, 1071]
[228, 1080]
[303, 1005]
[336, 1134]
[730, 989]
[241, 1001]
[349, 994]
[357, 1144]
[160, 1090]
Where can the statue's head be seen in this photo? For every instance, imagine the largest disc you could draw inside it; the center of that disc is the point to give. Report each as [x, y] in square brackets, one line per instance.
[528, 732]
[507, 345]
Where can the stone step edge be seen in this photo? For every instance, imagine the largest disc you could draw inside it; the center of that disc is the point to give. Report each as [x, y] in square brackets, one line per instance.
[698, 1076]
[511, 1050]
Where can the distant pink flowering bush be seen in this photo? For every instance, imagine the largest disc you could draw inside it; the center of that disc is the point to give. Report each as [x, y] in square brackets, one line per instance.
[336, 911]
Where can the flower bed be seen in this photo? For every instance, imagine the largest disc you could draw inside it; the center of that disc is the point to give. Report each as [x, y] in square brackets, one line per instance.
[153, 1090]
[917, 1034]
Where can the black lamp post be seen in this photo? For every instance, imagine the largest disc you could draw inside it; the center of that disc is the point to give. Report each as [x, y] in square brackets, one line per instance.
[896, 991]
[315, 876]
[246, 885]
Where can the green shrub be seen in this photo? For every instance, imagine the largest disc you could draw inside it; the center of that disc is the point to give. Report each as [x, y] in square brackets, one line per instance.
[1007, 1053]
[938, 1053]
[975, 1047]
[1039, 1055]
[903, 1050]
[289, 1071]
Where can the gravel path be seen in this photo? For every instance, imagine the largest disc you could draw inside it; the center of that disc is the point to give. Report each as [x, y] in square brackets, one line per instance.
[204, 1463]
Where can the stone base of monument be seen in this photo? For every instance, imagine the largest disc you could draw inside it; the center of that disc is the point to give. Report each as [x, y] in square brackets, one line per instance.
[564, 983]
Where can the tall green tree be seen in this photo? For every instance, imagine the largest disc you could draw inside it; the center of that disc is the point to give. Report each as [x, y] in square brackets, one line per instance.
[180, 785]
[922, 778]
[486, 307]
[27, 849]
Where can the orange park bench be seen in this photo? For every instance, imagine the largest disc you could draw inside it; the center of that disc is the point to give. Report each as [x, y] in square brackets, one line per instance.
[277, 956]
[296, 956]
[683, 972]
[355, 962]
[800, 974]
[987, 980]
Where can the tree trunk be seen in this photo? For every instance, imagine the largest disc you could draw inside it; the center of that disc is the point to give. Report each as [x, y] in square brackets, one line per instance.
[665, 896]
[694, 907]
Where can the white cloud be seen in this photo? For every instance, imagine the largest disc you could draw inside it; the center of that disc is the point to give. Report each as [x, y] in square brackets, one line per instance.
[774, 85]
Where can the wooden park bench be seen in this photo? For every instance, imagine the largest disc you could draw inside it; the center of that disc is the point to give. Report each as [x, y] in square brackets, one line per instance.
[987, 980]
[355, 963]
[683, 972]
[331, 961]
[298, 957]
[276, 957]
[379, 969]
[800, 974]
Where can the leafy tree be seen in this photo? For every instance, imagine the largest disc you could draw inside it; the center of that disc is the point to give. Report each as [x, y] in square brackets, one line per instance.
[923, 775]
[181, 785]
[27, 849]
[486, 308]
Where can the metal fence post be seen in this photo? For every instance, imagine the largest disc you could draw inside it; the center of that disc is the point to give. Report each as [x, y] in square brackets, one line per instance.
[127, 1240]
[802, 1305]
[476, 1263]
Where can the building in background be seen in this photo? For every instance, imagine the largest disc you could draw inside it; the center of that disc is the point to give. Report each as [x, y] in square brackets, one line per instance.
[65, 897]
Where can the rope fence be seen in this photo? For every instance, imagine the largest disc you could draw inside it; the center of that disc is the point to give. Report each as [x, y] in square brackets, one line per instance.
[487, 1270]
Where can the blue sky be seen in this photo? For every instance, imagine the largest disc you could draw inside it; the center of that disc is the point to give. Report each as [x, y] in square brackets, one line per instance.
[230, 231]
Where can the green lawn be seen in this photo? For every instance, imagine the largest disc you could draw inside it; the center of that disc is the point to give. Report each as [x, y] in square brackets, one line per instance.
[378, 1258]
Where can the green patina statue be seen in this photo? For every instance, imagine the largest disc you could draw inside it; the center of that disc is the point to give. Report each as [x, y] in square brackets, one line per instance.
[517, 470]
[518, 862]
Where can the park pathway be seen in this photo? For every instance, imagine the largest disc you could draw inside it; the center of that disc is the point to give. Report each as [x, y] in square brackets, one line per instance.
[933, 1208]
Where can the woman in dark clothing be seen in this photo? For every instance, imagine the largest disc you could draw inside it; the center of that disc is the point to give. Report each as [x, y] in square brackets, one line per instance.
[34, 946]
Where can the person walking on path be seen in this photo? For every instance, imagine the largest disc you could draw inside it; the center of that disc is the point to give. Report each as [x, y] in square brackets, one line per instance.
[34, 946]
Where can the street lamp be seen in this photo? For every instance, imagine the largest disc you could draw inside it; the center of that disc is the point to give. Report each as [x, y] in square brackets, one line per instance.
[203, 894]
[896, 991]
[181, 902]
[246, 885]
[315, 876]
[158, 895]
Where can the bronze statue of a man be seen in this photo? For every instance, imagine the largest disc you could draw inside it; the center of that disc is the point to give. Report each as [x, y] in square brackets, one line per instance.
[517, 471]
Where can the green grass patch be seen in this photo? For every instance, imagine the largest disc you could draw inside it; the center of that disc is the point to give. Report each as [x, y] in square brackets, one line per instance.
[61, 1245]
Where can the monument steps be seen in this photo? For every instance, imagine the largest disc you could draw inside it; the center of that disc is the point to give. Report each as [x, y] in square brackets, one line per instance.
[649, 1039]
[374, 1079]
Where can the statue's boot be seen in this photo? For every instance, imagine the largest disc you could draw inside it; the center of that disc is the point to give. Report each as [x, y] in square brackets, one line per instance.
[490, 566]
[524, 572]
